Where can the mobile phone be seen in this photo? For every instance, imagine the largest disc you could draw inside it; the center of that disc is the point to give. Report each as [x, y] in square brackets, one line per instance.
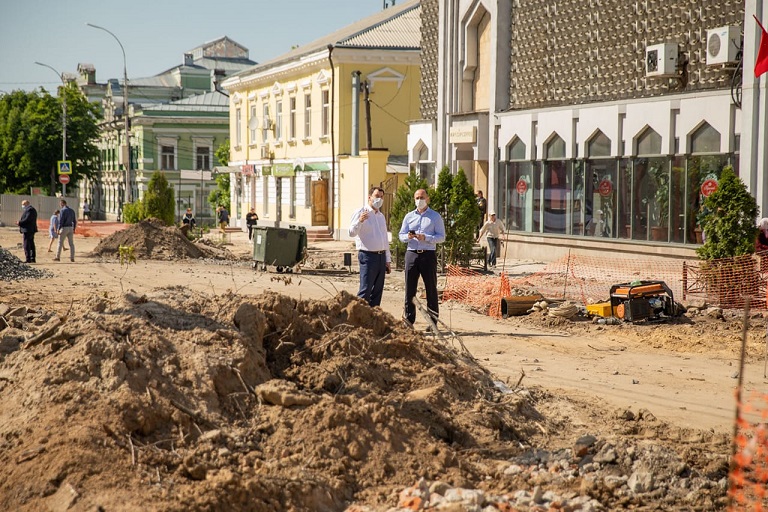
[411, 232]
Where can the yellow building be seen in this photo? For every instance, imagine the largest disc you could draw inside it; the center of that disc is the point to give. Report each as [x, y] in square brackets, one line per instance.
[298, 122]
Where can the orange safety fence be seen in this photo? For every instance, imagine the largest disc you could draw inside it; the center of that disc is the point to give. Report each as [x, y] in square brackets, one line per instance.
[748, 476]
[588, 279]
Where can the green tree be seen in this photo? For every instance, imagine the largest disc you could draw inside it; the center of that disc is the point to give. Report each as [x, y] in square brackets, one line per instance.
[158, 200]
[222, 153]
[441, 198]
[729, 222]
[462, 216]
[220, 195]
[402, 204]
[31, 138]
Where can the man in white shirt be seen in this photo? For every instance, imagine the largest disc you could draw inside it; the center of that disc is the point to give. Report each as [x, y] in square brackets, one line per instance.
[495, 229]
[369, 228]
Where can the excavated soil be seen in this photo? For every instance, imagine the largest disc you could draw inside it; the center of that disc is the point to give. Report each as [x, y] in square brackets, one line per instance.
[179, 400]
[152, 239]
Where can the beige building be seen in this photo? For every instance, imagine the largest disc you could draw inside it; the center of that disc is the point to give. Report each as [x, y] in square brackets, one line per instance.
[312, 130]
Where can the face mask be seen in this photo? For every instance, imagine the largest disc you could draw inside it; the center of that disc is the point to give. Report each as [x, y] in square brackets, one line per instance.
[421, 204]
[377, 202]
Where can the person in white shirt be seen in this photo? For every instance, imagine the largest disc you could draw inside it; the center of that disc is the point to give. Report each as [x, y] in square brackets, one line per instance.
[369, 228]
[494, 228]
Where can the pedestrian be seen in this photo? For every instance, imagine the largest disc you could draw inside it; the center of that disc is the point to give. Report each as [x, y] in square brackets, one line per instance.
[422, 229]
[67, 225]
[86, 211]
[223, 219]
[251, 219]
[494, 229]
[482, 205]
[53, 229]
[28, 227]
[188, 222]
[369, 229]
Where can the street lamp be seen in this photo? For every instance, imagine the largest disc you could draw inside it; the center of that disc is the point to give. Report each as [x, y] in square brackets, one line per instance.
[129, 189]
[63, 119]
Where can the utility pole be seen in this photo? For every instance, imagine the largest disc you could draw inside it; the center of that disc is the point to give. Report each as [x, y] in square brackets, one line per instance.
[367, 90]
[63, 119]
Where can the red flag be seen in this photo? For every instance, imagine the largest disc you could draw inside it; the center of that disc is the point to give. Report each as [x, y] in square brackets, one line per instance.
[761, 64]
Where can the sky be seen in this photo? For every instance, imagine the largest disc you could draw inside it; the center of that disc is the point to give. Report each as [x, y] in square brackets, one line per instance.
[154, 33]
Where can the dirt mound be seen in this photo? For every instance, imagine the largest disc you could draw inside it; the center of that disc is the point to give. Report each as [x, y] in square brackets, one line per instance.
[13, 269]
[152, 239]
[181, 401]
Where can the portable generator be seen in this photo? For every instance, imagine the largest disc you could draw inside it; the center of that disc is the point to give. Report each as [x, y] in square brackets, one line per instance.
[642, 300]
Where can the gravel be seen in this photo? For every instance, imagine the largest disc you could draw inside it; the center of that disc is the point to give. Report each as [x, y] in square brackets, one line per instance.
[13, 269]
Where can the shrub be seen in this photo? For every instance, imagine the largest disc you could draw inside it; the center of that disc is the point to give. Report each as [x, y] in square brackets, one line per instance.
[730, 222]
[133, 213]
[158, 200]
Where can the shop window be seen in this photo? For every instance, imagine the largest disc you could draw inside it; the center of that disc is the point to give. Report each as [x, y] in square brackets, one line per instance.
[649, 143]
[599, 146]
[705, 140]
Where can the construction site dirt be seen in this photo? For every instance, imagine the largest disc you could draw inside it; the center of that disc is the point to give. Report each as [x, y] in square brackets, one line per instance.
[194, 382]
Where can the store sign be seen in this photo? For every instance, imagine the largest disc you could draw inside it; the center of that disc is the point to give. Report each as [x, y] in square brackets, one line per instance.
[521, 186]
[247, 169]
[463, 134]
[605, 188]
[708, 187]
[283, 170]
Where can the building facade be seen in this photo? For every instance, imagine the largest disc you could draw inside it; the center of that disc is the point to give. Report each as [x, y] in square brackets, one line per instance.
[296, 119]
[591, 124]
[177, 120]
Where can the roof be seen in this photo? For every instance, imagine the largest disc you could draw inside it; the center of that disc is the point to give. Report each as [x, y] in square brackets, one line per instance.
[395, 28]
[208, 102]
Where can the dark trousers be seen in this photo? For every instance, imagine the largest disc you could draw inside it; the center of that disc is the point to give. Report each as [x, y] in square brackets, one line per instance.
[373, 266]
[493, 246]
[250, 231]
[28, 242]
[422, 265]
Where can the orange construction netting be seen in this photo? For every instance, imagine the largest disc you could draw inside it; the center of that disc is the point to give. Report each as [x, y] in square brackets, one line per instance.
[748, 476]
[588, 279]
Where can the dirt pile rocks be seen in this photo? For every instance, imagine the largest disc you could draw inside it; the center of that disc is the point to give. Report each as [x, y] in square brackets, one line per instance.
[178, 400]
[152, 239]
[13, 269]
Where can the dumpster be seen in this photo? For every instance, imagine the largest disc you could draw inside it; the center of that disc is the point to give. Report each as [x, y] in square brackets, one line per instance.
[282, 248]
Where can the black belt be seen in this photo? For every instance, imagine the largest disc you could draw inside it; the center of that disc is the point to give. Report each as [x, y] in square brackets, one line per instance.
[375, 252]
[421, 251]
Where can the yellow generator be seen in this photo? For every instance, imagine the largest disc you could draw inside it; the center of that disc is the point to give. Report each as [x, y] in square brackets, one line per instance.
[642, 300]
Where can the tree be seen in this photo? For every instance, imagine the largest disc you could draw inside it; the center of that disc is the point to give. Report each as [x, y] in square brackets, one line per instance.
[462, 217]
[402, 204]
[220, 195]
[222, 153]
[729, 224]
[158, 200]
[31, 138]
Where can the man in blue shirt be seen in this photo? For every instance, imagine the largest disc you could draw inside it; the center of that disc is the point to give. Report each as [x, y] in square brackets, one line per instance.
[422, 229]
[67, 225]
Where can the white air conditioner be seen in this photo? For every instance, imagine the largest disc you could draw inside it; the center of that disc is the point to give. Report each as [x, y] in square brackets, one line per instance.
[661, 59]
[265, 152]
[723, 44]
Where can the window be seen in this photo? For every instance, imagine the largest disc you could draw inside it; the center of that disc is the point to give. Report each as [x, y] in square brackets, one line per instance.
[599, 146]
[265, 122]
[307, 115]
[238, 127]
[167, 157]
[279, 120]
[203, 157]
[649, 143]
[326, 113]
[292, 118]
[292, 206]
[705, 140]
[253, 124]
[307, 191]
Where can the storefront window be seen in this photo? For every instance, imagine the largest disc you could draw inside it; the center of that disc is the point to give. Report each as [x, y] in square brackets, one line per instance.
[556, 185]
[515, 191]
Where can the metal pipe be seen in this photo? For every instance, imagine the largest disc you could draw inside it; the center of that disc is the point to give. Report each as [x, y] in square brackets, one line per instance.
[129, 188]
[333, 143]
[355, 113]
[63, 119]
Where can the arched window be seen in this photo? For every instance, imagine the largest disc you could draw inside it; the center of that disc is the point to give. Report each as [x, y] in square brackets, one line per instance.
[516, 150]
[705, 140]
[599, 146]
[649, 143]
[554, 149]
[477, 71]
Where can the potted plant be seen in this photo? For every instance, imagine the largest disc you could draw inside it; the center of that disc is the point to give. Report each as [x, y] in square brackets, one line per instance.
[660, 210]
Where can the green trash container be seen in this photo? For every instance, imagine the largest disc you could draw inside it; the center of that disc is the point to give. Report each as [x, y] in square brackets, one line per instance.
[282, 248]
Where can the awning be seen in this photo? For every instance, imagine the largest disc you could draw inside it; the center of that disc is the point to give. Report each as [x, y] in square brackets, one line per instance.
[226, 169]
[316, 167]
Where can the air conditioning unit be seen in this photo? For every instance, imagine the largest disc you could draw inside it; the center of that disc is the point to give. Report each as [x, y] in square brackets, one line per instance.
[723, 44]
[266, 154]
[661, 59]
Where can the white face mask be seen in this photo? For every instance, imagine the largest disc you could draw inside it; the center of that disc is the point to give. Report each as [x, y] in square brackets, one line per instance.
[421, 204]
[377, 202]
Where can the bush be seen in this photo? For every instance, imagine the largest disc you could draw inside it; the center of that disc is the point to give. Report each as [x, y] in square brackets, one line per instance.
[132, 213]
[730, 222]
[454, 199]
[158, 200]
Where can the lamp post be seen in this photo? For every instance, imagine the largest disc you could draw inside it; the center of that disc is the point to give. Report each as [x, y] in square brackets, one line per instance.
[63, 119]
[129, 189]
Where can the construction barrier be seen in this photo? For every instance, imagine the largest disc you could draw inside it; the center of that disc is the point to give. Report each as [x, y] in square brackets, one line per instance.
[588, 279]
[748, 475]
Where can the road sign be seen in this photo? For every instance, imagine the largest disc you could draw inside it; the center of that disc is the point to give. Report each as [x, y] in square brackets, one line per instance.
[708, 187]
[522, 186]
[65, 166]
[63, 179]
[605, 188]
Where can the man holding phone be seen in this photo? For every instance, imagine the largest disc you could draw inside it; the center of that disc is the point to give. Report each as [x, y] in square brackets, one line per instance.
[422, 229]
[369, 228]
